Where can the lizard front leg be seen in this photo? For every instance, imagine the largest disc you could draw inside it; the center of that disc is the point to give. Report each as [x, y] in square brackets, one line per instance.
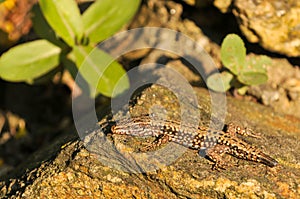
[234, 129]
[161, 139]
[216, 154]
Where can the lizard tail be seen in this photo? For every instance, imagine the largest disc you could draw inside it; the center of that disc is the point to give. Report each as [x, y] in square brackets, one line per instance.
[266, 159]
[256, 155]
[248, 152]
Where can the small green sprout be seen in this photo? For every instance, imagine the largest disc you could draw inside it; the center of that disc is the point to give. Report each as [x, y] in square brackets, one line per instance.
[241, 72]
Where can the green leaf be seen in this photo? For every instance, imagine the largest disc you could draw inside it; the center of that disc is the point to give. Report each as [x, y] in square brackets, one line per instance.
[64, 17]
[1, 1]
[220, 82]
[257, 64]
[103, 18]
[28, 61]
[42, 28]
[233, 53]
[254, 71]
[103, 74]
[253, 78]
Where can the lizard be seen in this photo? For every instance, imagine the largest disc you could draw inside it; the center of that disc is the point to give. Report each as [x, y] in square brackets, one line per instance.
[216, 143]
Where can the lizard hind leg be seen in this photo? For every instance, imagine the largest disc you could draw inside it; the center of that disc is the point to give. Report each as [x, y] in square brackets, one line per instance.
[234, 129]
[216, 154]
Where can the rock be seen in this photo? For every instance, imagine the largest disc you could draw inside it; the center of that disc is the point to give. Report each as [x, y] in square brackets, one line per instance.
[223, 5]
[70, 169]
[168, 14]
[272, 24]
[282, 91]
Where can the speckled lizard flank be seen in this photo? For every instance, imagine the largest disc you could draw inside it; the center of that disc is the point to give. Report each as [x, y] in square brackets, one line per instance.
[216, 143]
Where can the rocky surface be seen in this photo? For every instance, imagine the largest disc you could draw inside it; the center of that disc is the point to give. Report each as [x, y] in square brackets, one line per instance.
[275, 25]
[168, 14]
[72, 171]
[281, 92]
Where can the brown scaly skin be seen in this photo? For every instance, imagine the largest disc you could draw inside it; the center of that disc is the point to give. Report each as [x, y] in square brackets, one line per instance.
[216, 143]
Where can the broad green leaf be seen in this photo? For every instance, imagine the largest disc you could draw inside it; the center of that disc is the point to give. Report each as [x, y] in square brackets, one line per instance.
[79, 54]
[233, 53]
[256, 64]
[28, 61]
[253, 78]
[254, 71]
[1, 1]
[65, 19]
[42, 28]
[220, 82]
[103, 18]
[103, 74]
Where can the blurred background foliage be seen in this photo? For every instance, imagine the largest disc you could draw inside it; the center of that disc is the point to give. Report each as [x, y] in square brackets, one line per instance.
[66, 36]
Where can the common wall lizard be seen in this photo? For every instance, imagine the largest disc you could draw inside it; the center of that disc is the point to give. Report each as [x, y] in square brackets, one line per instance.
[216, 143]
